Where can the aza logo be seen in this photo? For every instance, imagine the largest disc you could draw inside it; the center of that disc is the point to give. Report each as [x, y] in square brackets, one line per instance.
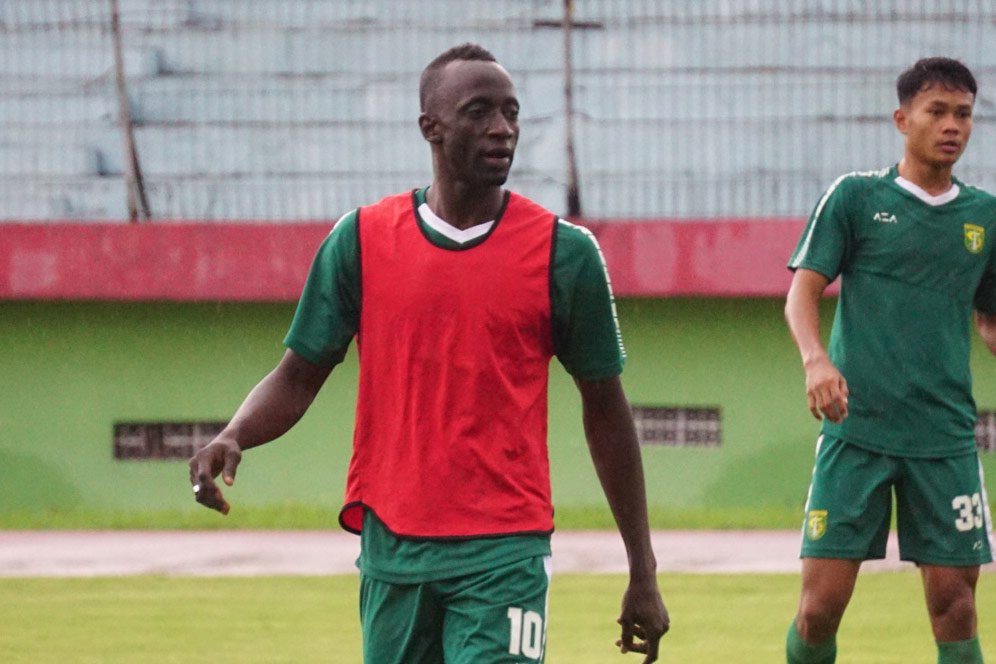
[816, 524]
[885, 218]
[975, 238]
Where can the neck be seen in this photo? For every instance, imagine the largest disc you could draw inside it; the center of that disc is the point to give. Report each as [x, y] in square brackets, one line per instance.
[934, 180]
[463, 206]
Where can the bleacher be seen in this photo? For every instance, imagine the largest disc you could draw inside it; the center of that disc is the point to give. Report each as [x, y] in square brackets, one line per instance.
[302, 109]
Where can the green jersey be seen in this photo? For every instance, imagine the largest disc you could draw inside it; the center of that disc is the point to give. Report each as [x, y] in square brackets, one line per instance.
[912, 267]
[586, 341]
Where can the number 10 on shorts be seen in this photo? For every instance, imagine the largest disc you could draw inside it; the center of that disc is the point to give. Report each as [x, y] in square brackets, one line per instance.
[525, 633]
[969, 510]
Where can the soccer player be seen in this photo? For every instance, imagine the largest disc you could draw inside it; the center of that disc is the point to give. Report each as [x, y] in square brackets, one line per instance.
[459, 294]
[914, 248]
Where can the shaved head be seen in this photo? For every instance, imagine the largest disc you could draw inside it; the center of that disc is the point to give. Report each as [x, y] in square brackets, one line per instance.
[432, 72]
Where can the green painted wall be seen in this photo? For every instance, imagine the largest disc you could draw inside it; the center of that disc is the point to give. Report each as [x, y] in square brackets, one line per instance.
[70, 370]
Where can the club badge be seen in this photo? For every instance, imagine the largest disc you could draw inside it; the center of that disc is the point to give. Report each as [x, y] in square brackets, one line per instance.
[816, 524]
[975, 238]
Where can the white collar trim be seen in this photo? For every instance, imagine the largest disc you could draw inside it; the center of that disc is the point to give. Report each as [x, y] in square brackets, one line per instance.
[919, 192]
[452, 232]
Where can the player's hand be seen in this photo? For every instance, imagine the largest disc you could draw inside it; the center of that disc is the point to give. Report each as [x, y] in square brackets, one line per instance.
[222, 455]
[826, 390]
[644, 620]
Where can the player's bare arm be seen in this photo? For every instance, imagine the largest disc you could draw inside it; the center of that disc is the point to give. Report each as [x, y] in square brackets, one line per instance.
[985, 323]
[608, 425]
[826, 389]
[268, 412]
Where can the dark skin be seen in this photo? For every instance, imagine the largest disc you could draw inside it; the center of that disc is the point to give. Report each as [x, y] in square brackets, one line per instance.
[615, 452]
[471, 124]
[268, 412]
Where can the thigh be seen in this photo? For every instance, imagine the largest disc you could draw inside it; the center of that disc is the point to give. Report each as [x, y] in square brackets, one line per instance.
[402, 623]
[850, 503]
[498, 615]
[942, 512]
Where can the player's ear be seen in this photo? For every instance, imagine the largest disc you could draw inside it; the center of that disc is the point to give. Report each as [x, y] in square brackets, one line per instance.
[430, 127]
[899, 117]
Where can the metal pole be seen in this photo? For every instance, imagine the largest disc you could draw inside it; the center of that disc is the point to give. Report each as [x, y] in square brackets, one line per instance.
[573, 186]
[137, 202]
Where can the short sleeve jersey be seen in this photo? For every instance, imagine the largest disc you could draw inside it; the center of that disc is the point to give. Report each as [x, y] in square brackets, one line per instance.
[586, 341]
[912, 267]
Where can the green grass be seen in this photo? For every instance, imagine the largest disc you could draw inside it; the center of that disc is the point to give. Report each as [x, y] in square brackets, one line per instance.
[271, 620]
[298, 516]
[290, 516]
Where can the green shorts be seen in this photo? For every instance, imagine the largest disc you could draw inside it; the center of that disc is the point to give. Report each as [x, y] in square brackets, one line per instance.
[495, 616]
[942, 513]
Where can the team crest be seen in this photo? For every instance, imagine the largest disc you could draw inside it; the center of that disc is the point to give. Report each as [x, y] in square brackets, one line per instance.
[975, 238]
[816, 524]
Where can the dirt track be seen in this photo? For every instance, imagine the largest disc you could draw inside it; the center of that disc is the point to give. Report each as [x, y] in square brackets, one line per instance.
[236, 553]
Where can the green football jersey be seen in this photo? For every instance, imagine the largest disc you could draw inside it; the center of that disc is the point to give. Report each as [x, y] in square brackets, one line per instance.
[586, 340]
[912, 267]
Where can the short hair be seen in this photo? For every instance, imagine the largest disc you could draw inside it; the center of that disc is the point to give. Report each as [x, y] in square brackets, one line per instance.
[950, 73]
[430, 75]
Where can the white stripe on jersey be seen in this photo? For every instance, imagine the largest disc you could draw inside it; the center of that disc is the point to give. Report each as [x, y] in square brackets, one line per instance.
[353, 211]
[987, 517]
[804, 249]
[608, 280]
[809, 493]
[548, 568]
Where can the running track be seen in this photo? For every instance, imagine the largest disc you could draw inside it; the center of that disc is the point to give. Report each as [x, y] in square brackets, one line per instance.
[246, 553]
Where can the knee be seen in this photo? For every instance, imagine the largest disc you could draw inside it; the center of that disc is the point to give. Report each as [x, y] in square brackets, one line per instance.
[819, 618]
[953, 610]
[951, 601]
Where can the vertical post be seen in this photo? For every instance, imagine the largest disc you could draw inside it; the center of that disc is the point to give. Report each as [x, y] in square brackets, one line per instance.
[137, 202]
[573, 186]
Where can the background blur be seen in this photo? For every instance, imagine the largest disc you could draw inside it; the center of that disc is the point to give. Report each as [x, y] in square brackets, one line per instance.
[158, 211]
[303, 109]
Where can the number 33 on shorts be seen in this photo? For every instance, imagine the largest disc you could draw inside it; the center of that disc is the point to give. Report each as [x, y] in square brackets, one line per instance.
[970, 512]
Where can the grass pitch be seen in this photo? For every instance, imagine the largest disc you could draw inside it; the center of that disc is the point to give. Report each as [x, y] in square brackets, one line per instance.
[302, 620]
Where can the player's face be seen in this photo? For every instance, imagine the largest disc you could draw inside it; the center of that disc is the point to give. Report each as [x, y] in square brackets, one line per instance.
[474, 123]
[937, 123]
